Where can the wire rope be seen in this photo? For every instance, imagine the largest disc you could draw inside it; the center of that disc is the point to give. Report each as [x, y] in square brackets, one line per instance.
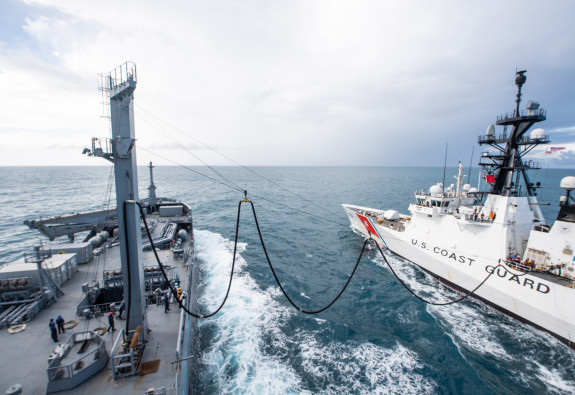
[427, 301]
[236, 188]
[194, 155]
[240, 189]
[232, 160]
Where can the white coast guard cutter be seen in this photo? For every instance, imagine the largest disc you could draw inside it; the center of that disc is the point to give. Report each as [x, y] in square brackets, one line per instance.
[460, 235]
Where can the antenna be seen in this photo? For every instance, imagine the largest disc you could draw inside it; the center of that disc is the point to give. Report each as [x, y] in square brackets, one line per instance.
[520, 79]
[444, 165]
[470, 163]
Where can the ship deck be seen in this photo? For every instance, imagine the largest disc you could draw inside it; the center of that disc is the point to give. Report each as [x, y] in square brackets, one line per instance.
[25, 354]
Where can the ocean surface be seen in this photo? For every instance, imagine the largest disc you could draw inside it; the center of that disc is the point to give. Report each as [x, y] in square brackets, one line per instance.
[377, 338]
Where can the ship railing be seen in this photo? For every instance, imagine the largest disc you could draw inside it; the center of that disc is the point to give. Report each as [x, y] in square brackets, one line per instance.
[64, 376]
[530, 164]
[87, 310]
[522, 113]
[37, 256]
[523, 266]
[102, 147]
[126, 361]
[123, 74]
[486, 139]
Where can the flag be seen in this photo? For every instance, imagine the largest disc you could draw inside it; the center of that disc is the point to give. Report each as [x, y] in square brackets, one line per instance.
[490, 178]
[554, 149]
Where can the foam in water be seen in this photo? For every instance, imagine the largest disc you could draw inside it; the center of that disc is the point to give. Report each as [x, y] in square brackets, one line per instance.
[554, 379]
[236, 360]
[481, 330]
[363, 367]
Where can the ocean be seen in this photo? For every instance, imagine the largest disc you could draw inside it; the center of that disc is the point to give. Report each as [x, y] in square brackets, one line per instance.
[377, 338]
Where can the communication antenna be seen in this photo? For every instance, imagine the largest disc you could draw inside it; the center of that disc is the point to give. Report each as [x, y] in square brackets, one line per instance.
[444, 166]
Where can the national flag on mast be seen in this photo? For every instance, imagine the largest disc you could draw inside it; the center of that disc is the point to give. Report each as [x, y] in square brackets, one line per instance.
[490, 178]
[554, 149]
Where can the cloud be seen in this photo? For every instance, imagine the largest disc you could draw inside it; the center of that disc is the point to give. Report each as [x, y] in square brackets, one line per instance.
[287, 83]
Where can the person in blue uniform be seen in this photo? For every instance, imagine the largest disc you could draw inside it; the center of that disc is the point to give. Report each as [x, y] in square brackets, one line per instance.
[166, 302]
[53, 331]
[111, 322]
[121, 310]
[60, 322]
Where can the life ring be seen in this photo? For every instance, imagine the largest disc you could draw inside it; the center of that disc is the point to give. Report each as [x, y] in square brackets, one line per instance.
[16, 328]
[99, 331]
[70, 324]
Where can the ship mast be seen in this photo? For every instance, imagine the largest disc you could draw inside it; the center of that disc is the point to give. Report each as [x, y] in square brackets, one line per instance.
[152, 200]
[118, 87]
[507, 165]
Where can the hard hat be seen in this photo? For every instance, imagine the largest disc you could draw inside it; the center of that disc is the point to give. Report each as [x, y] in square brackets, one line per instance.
[111, 313]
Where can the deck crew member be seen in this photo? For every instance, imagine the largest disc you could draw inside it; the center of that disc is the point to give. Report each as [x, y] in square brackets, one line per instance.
[183, 299]
[111, 322]
[53, 331]
[60, 322]
[166, 302]
[121, 310]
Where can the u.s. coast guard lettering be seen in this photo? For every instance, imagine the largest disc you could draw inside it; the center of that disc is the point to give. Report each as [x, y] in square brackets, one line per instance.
[443, 252]
[519, 280]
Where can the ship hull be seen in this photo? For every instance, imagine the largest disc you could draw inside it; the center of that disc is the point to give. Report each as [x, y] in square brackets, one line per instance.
[529, 298]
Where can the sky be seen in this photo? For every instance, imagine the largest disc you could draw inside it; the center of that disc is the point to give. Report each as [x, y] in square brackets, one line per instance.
[284, 83]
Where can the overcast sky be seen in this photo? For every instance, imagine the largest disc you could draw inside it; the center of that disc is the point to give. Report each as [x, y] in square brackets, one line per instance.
[378, 83]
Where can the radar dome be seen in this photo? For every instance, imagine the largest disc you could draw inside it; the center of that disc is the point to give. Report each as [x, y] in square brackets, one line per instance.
[473, 190]
[435, 190]
[568, 183]
[466, 187]
[538, 133]
[182, 234]
[490, 132]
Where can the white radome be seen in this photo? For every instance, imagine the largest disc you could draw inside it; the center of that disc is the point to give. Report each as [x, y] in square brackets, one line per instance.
[538, 133]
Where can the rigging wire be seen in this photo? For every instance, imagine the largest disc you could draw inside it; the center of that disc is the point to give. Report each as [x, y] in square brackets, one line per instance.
[192, 170]
[279, 283]
[445, 303]
[102, 257]
[165, 275]
[301, 211]
[242, 190]
[311, 312]
[192, 154]
[231, 160]
[233, 265]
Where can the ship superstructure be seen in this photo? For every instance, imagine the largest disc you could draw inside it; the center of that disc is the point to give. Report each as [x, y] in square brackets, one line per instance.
[461, 235]
[112, 275]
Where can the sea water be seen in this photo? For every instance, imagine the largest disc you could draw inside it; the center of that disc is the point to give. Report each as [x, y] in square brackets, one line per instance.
[377, 338]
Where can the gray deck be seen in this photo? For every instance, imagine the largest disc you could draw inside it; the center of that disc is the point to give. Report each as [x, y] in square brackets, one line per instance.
[25, 354]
